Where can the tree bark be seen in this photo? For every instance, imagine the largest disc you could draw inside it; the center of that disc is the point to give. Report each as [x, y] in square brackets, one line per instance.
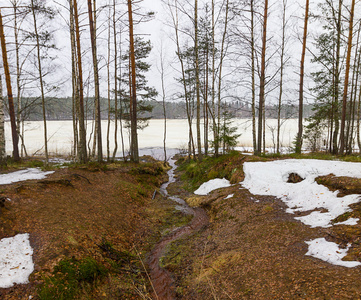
[115, 81]
[18, 71]
[302, 69]
[82, 152]
[199, 142]
[14, 133]
[133, 101]
[162, 75]
[281, 76]
[75, 93]
[179, 55]
[222, 55]
[262, 79]
[96, 78]
[2, 124]
[337, 79]
[41, 83]
[347, 73]
[215, 127]
[253, 75]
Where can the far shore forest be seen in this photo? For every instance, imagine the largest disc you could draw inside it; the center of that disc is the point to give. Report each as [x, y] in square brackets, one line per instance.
[231, 59]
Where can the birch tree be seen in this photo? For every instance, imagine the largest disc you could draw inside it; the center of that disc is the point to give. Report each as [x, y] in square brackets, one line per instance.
[262, 79]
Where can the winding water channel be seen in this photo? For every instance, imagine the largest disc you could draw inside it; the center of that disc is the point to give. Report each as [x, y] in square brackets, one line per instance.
[162, 280]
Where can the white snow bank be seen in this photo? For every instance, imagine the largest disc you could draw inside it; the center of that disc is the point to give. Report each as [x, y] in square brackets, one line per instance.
[329, 252]
[16, 263]
[350, 221]
[211, 185]
[22, 175]
[270, 178]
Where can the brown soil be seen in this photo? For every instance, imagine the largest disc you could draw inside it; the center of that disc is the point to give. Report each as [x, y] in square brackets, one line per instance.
[73, 211]
[345, 185]
[253, 249]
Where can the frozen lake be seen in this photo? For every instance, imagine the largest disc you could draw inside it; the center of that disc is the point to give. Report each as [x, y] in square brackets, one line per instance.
[60, 135]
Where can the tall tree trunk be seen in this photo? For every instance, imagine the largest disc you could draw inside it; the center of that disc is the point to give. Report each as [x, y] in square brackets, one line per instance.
[75, 92]
[133, 101]
[2, 124]
[115, 81]
[120, 102]
[18, 71]
[222, 55]
[347, 73]
[354, 89]
[358, 121]
[206, 86]
[253, 75]
[215, 131]
[198, 96]
[162, 79]
[281, 75]
[337, 78]
[108, 81]
[262, 79]
[82, 152]
[14, 133]
[41, 82]
[302, 69]
[96, 78]
[181, 61]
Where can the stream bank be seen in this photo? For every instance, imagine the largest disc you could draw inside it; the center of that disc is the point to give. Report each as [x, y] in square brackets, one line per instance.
[162, 280]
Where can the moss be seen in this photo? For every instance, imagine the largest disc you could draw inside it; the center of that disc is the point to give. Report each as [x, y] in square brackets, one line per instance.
[342, 218]
[153, 169]
[227, 166]
[69, 277]
[268, 208]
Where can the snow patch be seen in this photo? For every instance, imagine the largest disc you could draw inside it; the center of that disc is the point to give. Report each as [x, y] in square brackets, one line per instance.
[329, 252]
[22, 175]
[211, 185]
[270, 178]
[350, 221]
[16, 263]
[229, 196]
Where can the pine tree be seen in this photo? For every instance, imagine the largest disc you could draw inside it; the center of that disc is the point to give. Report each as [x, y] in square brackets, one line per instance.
[142, 50]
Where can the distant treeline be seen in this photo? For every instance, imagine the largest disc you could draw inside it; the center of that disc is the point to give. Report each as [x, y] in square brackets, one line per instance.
[61, 109]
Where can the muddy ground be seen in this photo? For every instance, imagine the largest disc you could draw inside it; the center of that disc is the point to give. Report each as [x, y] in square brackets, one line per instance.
[251, 248]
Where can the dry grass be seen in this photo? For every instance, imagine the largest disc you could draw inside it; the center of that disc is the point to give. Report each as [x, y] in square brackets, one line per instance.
[255, 250]
[75, 210]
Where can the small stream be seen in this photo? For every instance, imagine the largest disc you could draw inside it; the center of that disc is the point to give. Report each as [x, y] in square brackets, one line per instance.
[162, 280]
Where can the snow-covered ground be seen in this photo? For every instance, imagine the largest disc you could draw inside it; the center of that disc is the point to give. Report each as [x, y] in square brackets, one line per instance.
[22, 175]
[270, 178]
[330, 252]
[16, 263]
[212, 185]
